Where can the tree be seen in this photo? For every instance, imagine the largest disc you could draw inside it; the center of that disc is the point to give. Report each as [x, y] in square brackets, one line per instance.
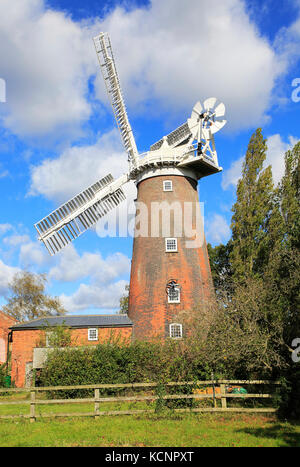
[290, 197]
[219, 259]
[251, 212]
[262, 306]
[124, 301]
[290, 257]
[282, 276]
[283, 266]
[27, 298]
[233, 337]
[59, 336]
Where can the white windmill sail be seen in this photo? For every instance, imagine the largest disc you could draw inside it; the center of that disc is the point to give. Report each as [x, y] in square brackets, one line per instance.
[176, 137]
[204, 123]
[109, 71]
[79, 213]
[201, 126]
[75, 216]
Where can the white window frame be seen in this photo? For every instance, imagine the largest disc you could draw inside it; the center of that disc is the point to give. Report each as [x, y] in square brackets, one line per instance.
[177, 300]
[171, 250]
[175, 326]
[168, 185]
[90, 331]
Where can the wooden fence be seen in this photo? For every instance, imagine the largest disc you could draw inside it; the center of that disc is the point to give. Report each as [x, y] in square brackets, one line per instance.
[218, 392]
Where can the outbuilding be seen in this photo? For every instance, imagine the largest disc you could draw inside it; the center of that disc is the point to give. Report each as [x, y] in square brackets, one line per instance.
[30, 339]
[5, 322]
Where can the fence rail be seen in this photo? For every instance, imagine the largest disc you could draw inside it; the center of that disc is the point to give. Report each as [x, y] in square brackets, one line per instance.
[219, 392]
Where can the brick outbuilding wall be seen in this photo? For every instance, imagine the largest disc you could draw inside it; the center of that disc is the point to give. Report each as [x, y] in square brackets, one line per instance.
[5, 322]
[25, 340]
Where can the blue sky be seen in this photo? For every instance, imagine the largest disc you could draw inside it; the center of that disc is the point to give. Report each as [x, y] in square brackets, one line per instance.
[58, 135]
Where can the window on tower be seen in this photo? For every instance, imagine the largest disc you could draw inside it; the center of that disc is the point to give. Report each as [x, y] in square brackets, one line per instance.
[168, 185]
[173, 295]
[176, 331]
[171, 244]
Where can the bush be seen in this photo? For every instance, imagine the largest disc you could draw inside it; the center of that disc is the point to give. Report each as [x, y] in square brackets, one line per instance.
[115, 362]
[289, 396]
[3, 373]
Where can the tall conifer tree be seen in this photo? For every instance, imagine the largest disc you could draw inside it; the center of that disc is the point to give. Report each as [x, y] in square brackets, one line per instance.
[282, 271]
[251, 212]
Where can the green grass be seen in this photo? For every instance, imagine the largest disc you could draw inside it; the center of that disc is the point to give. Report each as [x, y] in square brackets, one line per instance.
[152, 430]
[167, 429]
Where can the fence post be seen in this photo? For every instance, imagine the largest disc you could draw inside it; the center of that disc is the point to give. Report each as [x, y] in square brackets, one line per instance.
[223, 396]
[214, 392]
[32, 406]
[97, 405]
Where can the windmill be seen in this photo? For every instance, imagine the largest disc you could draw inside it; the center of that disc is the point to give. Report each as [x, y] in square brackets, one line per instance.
[171, 169]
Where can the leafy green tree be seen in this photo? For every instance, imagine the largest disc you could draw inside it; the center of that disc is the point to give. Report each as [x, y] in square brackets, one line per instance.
[251, 211]
[281, 271]
[263, 259]
[124, 301]
[219, 258]
[59, 336]
[27, 298]
[290, 197]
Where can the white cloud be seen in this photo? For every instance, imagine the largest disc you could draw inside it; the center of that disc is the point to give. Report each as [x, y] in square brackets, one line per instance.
[78, 167]
[33, 254]
[104, 276]
[17, 244]
[6, 275]
[3, 173]
[46, 60]
[217, 229]
[95, 297]
[275, 154]
[276, 150]
[5, 228]
[287, 42]
[101, 279]
[207, 48]
[232, 175]
[71, 267]
[15, 240]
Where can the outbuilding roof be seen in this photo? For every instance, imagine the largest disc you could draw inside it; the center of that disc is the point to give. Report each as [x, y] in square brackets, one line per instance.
[76, 321]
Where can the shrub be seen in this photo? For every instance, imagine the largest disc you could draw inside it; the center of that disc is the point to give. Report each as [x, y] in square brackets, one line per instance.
[115, 362]
[2, 375]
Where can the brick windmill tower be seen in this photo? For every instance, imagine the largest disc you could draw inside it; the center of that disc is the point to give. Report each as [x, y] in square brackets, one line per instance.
[170, 268]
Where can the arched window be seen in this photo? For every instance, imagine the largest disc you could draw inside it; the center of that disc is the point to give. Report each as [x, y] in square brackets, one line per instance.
[174, 295]
[173, 291]
[176, 331]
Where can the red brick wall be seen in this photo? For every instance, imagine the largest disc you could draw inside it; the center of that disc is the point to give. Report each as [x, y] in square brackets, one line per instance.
[24, 341]
[152, 267]
[5, 322]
